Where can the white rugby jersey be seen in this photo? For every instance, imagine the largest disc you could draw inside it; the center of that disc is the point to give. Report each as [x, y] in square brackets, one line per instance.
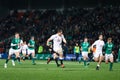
[99, 45]
[24, 47]
[57, 41]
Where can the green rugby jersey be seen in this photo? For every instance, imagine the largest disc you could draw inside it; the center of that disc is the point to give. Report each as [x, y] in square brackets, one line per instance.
[85, 46]
[15, 43]
[108, 48]
[32, 45]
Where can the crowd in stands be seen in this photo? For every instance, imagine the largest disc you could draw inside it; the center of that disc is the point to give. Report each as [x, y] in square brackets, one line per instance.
[76, 23]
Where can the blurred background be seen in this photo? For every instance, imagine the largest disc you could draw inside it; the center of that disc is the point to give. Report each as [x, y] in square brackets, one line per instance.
[41, 18]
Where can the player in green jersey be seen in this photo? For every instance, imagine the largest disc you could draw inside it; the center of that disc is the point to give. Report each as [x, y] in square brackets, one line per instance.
[109, 52]
[84, 48]
[14, 50]
[31, 49]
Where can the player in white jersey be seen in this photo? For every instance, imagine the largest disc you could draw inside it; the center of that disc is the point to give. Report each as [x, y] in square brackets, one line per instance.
[57, 46]
[98, 56]
[24, 48]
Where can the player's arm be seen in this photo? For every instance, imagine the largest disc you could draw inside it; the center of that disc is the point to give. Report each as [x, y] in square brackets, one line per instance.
[51, 38]
[104, 47]
[32, 46]
[91, 47]
[21, 42]
[48, 42]
[13, 44]
[64, 40]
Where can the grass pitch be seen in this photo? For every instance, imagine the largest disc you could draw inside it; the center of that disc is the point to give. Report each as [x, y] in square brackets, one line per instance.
[72, 71]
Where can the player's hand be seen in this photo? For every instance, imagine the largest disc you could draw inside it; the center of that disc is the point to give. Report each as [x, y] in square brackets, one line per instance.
[47, 44]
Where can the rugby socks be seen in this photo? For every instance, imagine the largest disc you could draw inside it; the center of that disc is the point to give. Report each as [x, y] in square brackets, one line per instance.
[56, 60]
[84, 62]
[18, 58]
[80, 60]
[61, 61]
[33, 60]
[98, 65]
[51, 58]
[7, 61]
[23, 57]
[111, 65]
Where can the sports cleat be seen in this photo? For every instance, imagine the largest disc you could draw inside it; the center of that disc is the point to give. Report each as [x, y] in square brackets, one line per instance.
[58, 65]
[97, 68]
[62, 66]
[88, 63]
[34, 64]
[5, 65]
[110, 69]
[48, 60]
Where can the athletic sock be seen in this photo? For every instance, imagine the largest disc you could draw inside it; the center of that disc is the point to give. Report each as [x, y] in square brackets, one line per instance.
[33, 60]
[98, 65]
[7, 61]
[18, 58]
[61, 61]
[56, 60]
[84, 62]
[111, 65]
[23, 57]
[51, 58]
[80, 60]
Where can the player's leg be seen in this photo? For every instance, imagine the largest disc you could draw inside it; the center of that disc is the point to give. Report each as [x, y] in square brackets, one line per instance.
[96, 59]
[28, 54]
[23, 55]
[84, 58]
[106, 58]
[33, 57]
[49, 59]
[55, 56]
[9, 56]
[61, 57]
[111, 62]
[100, 58]
[17, 55]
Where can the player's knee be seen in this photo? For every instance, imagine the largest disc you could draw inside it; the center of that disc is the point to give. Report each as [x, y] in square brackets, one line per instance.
[106, 62]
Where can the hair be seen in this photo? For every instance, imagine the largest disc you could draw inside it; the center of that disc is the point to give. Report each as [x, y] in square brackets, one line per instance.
[85, 38]
[16, 33]
[109, 38]
[32, 37]
[59, 30]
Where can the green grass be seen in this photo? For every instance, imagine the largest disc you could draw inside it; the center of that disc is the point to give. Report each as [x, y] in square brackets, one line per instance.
[72, 71]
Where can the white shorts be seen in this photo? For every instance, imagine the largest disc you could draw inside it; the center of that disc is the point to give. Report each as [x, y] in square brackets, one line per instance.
[31, 51]
[97, 54]
[20, 50]
[59, 50]
[85, 54]
[24, 52]
[13, 51]
[108, 56]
